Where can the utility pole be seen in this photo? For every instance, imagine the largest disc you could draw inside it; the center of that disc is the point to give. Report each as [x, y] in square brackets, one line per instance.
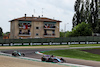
[42, 11]
[65, 29]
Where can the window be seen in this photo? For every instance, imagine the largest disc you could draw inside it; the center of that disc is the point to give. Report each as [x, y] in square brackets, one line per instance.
[20, 31]
[37, 27]
[29, 32]
[37, 34]
[53, 32]
[45, 32]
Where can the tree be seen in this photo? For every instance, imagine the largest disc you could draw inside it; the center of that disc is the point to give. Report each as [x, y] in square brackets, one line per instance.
[1, 32]
[87, 10]
[97, 26]
[82, 29]
[94, 16]
[62, 34]
[82, 12]
[76, 18]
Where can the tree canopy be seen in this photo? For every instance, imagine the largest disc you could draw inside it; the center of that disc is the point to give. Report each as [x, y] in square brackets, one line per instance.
[1, 32]
[87, 11]
[81, 29]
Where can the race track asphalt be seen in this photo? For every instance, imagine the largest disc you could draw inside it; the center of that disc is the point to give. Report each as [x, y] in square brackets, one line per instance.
[6, 61]
[31, 53]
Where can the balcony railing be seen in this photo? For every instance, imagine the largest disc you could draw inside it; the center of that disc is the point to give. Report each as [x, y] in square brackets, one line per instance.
[24, 26]
[49, 35]
[24, 34]
[49, 27]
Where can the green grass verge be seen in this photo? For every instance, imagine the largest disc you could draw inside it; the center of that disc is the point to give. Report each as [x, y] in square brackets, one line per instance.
[83, 45]
[74, 53]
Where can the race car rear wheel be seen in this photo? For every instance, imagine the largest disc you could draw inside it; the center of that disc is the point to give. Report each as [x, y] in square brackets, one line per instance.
[62, 60]
[23, 54]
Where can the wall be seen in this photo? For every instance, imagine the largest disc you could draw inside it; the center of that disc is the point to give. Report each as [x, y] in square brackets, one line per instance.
[57, 33]
[39, 31]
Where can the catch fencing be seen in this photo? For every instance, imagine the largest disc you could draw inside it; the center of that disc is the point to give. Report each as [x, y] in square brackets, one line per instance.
[67, 40]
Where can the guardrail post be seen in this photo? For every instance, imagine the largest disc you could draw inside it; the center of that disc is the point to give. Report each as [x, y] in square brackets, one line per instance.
[41, 43]
[2, 44]
[97, 42]
[79, 42]
[67, 42]
[22, 44]
[29, 43]
[60, 43]
[9, 44]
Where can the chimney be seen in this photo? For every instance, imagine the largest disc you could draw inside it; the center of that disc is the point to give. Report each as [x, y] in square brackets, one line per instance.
[25, 16]
[32, 16]
[42, 15]
[39, 17]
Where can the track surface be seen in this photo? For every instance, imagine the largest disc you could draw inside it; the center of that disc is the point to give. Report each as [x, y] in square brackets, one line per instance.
[6, 61]
[31, 53]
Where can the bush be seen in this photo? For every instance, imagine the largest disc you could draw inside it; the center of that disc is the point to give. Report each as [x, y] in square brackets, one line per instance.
[82, 29]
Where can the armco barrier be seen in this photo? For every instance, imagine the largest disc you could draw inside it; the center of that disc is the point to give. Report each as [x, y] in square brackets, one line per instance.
[52, 40]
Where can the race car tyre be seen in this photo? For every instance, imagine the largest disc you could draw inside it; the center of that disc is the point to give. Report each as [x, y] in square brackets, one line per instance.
[50, 60]
[13, 54]
[62, 60]
[23, 54]
[43, 59]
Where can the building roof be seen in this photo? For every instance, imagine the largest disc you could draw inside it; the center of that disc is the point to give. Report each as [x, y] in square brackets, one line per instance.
[41, 19]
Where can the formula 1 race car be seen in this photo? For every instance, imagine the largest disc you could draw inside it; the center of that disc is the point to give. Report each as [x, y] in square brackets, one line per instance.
[16, 53]
[51, 58]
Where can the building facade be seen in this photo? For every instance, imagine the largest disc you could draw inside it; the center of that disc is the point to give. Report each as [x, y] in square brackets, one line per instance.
[34, 27]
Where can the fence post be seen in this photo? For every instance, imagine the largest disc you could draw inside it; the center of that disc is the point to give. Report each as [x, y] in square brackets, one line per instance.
[13, 44]
[67, 42]
[22, 44]
[9, 44]
[79, 42]
[41, 43]
[48, 43]
[97, 42]
[2, 44]
[29, 43]
[60, 43]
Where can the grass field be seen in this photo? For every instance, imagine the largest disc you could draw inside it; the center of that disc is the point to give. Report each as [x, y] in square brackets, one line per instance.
[74, 53]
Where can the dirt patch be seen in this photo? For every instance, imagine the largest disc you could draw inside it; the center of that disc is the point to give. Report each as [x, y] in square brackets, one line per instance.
[94, 51]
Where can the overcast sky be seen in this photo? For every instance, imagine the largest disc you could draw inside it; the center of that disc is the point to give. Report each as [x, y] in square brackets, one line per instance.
[62, 10]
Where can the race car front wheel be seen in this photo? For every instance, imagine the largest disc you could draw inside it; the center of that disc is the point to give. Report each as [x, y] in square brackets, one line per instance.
[43, 59]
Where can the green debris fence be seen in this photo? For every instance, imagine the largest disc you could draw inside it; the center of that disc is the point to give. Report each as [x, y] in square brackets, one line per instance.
[52, 40]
